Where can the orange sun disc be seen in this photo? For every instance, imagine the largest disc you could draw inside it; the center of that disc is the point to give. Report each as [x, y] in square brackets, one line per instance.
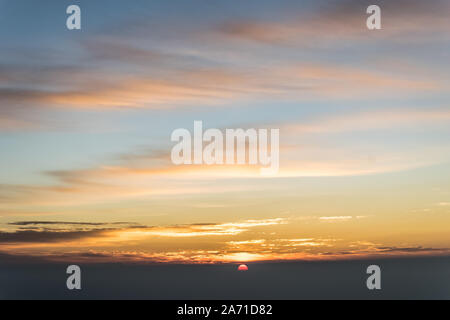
[242, 267]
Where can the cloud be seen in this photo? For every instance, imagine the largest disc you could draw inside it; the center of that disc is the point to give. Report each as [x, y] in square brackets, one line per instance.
[337, 21]
[417, 249]
[392, 118]
[172, 80]
[340, 218]
[122, 232]
[201, 230]
[213, 256]
[27, 223]
[152, 174]
[103, 89]
[279, 246]
[96, 243]
[31, 236]
[123, 68]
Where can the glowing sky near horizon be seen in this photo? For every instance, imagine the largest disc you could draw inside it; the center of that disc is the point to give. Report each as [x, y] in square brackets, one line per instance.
[86, 118]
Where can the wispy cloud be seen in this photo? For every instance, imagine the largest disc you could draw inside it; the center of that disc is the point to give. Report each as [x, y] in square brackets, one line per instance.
[65, 223]
[136, 175]
[212, 86]
[346, 19]
[214, 256]
[112, 242]
[124, 231]
[340, 218]
[377, 119]
[201, 230]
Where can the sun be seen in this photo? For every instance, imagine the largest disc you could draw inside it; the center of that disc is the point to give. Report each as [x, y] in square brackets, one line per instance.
[242, 267]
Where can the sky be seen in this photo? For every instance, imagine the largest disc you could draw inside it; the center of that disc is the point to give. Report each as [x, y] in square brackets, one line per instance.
[86, 118]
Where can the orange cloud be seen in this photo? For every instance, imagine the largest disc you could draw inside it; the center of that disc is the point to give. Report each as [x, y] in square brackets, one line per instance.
[76, 234]
[158, 176]
[98, 242]
[346, 19]
[292, 81]
[198, 230]
[369, 120]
